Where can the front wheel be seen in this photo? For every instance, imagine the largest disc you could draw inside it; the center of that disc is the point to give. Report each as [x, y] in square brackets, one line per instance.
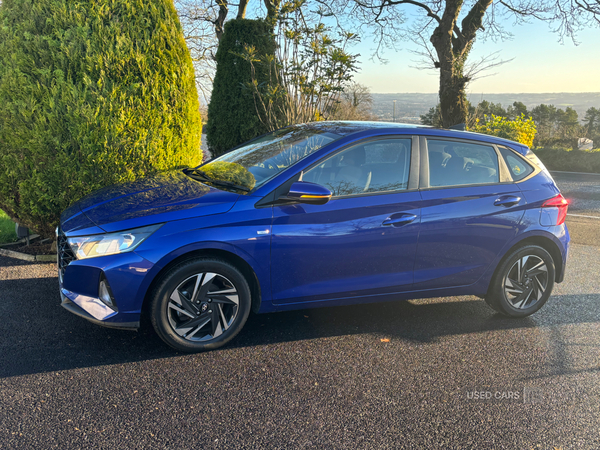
[200, 304]
[523, 282]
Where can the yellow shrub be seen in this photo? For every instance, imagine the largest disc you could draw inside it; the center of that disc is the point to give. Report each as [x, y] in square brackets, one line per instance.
[521, 129]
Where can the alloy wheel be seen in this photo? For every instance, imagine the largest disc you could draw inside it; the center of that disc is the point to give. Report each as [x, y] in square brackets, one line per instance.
[203, 307]
[526, 282]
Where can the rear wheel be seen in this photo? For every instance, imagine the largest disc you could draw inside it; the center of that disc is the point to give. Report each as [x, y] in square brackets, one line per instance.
[200, 304]
[523, 282]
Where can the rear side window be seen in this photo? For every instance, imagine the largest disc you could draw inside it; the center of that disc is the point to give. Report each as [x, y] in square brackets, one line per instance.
[454, 163]
[518, 168]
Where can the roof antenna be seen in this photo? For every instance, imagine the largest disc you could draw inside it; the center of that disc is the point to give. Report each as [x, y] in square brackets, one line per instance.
[459, 127]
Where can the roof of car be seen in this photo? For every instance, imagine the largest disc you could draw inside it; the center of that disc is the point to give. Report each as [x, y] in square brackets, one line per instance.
[346, 128]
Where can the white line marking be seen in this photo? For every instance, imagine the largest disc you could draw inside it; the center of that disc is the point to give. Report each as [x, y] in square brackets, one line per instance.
[576, 173]
[580, 215]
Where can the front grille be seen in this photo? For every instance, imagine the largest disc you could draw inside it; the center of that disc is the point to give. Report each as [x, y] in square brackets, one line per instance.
[65, 254]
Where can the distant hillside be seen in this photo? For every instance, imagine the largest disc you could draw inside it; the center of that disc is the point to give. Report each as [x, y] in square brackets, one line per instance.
[410, 106]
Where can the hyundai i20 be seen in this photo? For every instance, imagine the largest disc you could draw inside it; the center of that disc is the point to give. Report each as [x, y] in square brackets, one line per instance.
[319, 214]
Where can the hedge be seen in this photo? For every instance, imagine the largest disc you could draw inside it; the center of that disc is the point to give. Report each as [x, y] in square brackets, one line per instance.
[91, 94]
[570, 160]
[520, 129]
[232, 115]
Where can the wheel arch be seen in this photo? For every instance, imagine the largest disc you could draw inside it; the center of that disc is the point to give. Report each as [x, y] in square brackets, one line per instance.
[225, 255]
[550, 246]
[542, 241]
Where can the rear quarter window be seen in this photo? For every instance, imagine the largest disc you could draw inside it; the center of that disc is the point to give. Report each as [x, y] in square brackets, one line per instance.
[517, 166]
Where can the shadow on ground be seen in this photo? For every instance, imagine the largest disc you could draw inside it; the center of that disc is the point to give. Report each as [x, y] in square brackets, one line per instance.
[39, 336]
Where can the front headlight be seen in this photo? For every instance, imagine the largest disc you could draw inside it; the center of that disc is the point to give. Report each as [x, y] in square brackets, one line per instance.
[110, 244]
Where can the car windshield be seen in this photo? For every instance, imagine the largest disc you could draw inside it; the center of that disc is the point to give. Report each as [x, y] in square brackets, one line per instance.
[253, 164]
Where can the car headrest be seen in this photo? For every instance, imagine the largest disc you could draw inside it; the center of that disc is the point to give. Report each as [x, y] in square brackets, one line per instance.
[439, 158]
[456, 163]
[357, 156]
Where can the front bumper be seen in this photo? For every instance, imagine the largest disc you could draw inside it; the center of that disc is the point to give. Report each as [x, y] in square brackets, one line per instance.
[79, 311]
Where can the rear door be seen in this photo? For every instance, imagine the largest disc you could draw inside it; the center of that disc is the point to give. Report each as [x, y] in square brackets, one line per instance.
[470, 210]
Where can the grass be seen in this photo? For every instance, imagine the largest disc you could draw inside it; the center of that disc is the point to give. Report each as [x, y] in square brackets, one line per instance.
[570, 160]
[7, 229]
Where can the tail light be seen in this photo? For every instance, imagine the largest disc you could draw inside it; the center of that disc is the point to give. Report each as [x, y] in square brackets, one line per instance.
[562, 204]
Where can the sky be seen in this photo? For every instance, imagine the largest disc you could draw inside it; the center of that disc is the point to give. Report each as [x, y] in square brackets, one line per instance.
[539, 64]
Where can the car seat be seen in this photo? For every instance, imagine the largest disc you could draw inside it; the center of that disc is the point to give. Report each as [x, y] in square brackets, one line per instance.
[352, 172]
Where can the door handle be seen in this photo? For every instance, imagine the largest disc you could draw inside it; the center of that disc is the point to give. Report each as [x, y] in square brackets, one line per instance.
[398, 220]
[507, 201]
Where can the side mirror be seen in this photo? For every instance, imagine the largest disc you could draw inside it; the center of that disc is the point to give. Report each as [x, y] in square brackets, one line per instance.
[311, 193]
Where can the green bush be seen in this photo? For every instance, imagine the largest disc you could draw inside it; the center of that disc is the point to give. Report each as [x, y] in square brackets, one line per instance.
[520, 129]
[570, 160]
[91, 94]
[232, 114]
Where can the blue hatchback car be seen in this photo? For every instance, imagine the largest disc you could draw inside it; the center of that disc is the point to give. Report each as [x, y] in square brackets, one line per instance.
[320, 214]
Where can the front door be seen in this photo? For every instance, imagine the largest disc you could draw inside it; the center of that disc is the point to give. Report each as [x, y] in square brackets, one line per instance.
[361, 243]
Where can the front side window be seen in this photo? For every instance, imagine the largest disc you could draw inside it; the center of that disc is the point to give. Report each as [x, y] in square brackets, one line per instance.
[454, 163]
[375, 166]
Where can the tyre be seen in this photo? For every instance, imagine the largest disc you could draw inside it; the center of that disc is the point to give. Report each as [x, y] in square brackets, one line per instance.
[523, 282]
[200, 304]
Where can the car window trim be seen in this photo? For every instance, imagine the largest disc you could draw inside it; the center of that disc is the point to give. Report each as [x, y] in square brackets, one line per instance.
[505, 175]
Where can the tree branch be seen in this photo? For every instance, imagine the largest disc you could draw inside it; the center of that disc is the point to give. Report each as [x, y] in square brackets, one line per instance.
[430, 12]
[592, 9]
[523, 12]
[473, 21]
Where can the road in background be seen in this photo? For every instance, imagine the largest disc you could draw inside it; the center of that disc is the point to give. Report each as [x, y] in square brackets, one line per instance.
[583, 192]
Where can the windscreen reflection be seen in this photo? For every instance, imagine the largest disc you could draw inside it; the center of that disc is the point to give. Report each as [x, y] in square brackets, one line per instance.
[269, 155]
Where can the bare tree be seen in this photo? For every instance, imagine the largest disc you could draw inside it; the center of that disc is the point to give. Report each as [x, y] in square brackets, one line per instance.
[354, 103]
[447, 30]
[201, 21]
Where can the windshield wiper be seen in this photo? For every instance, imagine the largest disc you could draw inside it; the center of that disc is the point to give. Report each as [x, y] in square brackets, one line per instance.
[199, 175]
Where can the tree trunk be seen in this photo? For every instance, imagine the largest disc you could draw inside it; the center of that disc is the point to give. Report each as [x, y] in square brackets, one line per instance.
[272, 10]
[452, 46]
[451, 52]
[453, 98]
[242, 9]
[220, 21]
